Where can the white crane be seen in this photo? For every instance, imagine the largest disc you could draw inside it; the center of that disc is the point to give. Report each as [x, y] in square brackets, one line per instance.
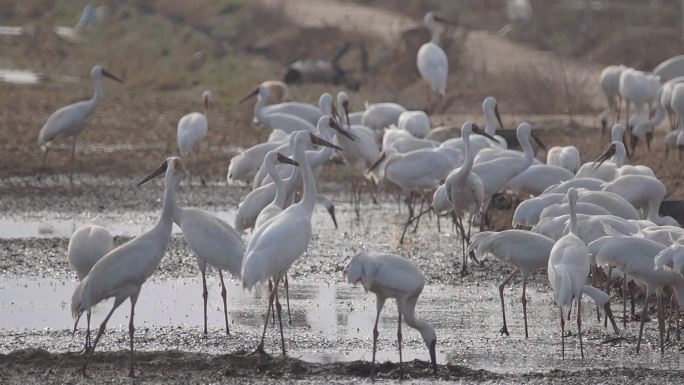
[192, 129]
[568, 269]
[70, 120]
[244, 165]
[417, 123]
[260, 197]
[526, 250]
[279, 201]
[87, 245]
[524, 132]
[641, 89]
[610, 85]
[643, 192]
[490, 112]
[279, 242]
[567, 157]
[558, 209]
[672, 259]
[616, 151]
[432, 62]
[537, 178]
[122, 272]
[215, 243]
[635, 256]
[527, 213]
[415, 171]
[277, 91]
[392, 276]
[464, 190]
[591, 184]
[496, 173]
[359, 149]
[614, 203]
[276, 120]
[379, 116]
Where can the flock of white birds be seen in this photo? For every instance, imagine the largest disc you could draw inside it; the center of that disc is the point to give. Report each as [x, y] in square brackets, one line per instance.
[599, 218]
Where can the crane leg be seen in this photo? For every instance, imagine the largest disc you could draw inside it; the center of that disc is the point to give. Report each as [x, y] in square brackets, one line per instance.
[287, 299]
[131, 331]
[225, 301]
[562, 322]
[280, 318]
[87, 343]
[271, 296]
[399, 338]
[42, 165]
[273, 312]
[643, 319]
[205, 295]
[661, 321]
[73, 157]
[524, 303]
[117, 302]
[380, 302]
[504, 329]
[422, 202]
[608, 287]
[670, 315]
[625, 288]
[631, 300]
[579, 324]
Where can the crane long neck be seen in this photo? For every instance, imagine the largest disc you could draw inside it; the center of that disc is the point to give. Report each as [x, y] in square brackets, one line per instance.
[411, 320]
[490, 122]
[309, 181]
[279, 199]
[258, 109]
[168, 202]
[528, 151]
[434, 33]
[469, 158]
[97, 94]
[573, 217]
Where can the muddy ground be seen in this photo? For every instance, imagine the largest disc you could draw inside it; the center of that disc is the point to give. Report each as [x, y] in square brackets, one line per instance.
[329, 339]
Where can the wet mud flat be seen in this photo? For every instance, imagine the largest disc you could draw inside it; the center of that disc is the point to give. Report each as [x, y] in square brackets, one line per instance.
[329, 340]
[33, 366]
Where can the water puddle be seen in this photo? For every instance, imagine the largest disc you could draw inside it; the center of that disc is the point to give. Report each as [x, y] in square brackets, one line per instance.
[22, 77]
[330, 322]
[60, 225]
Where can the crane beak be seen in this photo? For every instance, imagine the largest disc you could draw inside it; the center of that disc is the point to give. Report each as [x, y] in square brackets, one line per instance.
[155, 173]
[433, 355]
[320, 142]
[335, 113]
[283, 159]
[498, 117]
[603, 157]
[331, 211]
[444, 21]
[377, 162]
[479, 131]
[538, 141]
[76, 324]
[609, 314]
[341, 130]
[346, 112]
[109, 75]
[252, 94]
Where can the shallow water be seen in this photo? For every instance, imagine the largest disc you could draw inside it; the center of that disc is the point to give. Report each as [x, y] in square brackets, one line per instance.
[332, 320]
[19, 76]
